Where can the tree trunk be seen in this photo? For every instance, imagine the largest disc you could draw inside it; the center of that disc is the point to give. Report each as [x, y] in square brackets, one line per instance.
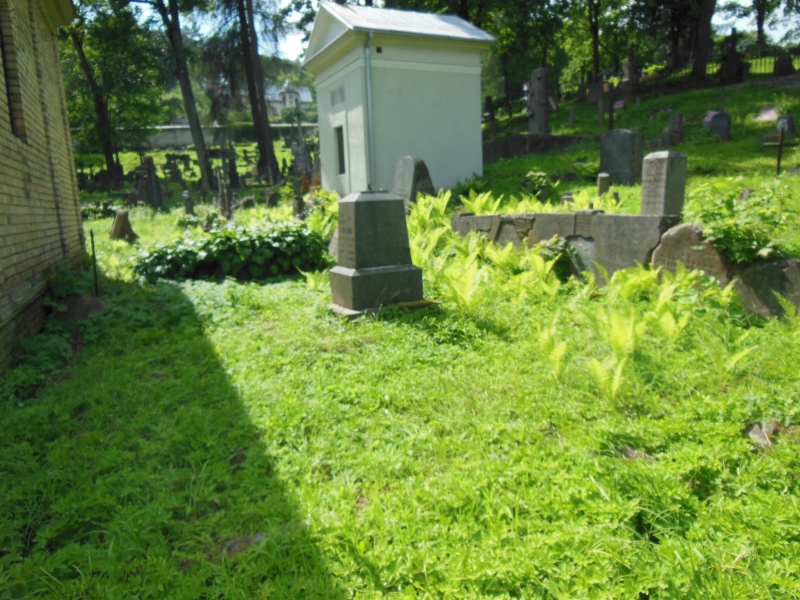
[171, 19]
[701, 49]
[761, 16]
[594, 30]
[100, 106]
[252, 89]
[273, 171]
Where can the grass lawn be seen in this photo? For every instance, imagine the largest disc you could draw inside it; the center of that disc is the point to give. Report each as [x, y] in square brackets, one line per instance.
[525, 438]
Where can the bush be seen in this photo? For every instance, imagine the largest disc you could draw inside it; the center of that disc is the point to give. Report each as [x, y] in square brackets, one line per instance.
[243, 253]
[742, 229]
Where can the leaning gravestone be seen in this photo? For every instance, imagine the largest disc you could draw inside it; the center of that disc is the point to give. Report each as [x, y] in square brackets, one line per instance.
[718, 122]
[411, 177]
[685, 244]
[621, 155]
[786, 123]
[783, 66]
[663, 183]
[374, 256]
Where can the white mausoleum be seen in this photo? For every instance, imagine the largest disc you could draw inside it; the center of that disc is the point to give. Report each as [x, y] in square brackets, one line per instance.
[392, 83]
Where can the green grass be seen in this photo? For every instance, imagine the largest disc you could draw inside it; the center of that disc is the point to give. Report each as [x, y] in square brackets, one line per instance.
[474, 449]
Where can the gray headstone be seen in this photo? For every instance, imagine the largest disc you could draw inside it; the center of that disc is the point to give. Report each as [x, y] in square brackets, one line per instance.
[411, 177]
[603, 183]
[784, 65]
[374, 267]
[621, 155]
[663, 183]
[674, 128]
[786, 122]
[686, 244]
[538, 111]
[718, 123]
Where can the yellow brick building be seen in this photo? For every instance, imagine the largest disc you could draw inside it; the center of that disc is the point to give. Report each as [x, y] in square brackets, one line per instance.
[40, 220]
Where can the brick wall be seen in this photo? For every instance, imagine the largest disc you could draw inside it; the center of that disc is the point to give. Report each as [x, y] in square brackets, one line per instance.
[40, 222]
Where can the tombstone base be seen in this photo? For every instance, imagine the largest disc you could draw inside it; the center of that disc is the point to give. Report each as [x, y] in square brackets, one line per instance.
[360, 291]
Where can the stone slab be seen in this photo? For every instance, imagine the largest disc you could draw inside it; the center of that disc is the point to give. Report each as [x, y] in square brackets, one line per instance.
[758, 283]
[686, 244]
[547, 225]
[463, 223]
[624, 240]
[362, 289]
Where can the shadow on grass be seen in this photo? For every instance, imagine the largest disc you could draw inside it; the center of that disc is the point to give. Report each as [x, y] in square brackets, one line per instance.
[138, 473]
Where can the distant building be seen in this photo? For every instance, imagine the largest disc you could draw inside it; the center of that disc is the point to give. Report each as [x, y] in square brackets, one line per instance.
[40, 216]
[286, 96]
[392, 83]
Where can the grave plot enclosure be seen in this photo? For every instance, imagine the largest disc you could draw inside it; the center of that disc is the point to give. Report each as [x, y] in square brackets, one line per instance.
[394, 83]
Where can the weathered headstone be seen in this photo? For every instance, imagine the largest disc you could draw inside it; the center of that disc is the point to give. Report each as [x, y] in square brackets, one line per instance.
[147, 184]
[674, 128]
[732, 68]
[783, 66]
[663, 183]
[271, 197]
[621, 155]
[299, 207]
[374, 256]
[718, 123]
[188, 203]
[686, 244]
[786, 123]
[122, 229]
[603, 183]
[411, 177]
[538, 113]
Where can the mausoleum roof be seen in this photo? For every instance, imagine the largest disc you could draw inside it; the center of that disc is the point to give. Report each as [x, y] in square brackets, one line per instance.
[335, 20]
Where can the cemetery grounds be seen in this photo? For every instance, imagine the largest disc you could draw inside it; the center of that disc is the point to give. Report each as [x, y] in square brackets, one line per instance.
[527, 437]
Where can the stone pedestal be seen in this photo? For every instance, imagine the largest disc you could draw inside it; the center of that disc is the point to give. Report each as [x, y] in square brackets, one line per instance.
[374, 256]
[663, 183]
[538, 112]
[621, 156]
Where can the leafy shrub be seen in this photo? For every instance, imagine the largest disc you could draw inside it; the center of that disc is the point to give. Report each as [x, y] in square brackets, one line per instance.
[742, 229]
[558, 250]
[90, 212]
[243, 253]
[540, 185]
[473, 185]
[209, 222]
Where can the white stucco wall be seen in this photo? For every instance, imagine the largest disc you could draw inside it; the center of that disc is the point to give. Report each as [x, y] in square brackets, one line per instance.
[345, 76]
[426, 103]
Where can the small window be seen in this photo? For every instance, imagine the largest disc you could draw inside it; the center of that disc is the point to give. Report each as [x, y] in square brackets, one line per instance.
[11, 71]
[338, 133]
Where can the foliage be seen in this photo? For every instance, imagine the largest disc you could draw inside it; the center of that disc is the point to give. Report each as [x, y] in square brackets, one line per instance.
[540, 185]
[92, 212]
[742, 229]
[128, 64]
[239, 252]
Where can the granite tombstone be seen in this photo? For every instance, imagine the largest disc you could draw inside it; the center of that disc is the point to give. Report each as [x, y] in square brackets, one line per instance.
[621, 155]
[374, 255]
[663, 183]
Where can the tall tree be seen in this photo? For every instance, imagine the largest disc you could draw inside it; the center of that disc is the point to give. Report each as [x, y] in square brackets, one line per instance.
[702, 43]
[169, 12]
[114, 76]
